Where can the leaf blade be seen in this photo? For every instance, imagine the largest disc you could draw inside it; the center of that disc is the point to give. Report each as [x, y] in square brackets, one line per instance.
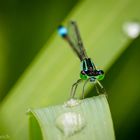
[94, 110]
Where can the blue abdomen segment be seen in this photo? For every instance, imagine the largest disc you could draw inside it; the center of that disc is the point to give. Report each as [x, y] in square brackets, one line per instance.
[62, 31]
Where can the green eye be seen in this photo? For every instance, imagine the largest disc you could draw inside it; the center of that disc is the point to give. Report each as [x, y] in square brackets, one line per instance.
[100, 77]
[83, 76]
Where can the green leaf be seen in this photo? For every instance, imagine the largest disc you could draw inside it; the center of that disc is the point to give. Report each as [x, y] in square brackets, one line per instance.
[49, 78]
[90, 119]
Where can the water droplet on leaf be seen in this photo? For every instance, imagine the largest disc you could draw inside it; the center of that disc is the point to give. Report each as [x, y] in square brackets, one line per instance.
[132, 29]
[72, 103]
[70, 123]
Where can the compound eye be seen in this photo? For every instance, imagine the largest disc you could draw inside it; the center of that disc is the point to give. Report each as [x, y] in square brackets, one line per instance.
[83, 72]
[100, 75]
[83, 75]
[100, 72]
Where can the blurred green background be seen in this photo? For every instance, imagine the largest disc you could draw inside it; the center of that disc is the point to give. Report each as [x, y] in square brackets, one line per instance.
[26, 26]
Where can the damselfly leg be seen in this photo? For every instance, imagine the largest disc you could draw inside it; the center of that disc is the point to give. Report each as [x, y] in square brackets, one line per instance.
[74, 87]
[99, 87]
[83, 91]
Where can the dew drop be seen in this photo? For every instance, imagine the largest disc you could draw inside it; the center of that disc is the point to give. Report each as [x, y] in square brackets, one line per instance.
[70, 123]
[72, 102]
[132, 29]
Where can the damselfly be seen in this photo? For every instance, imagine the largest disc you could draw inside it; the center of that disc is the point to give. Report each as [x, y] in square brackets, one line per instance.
[88, 68]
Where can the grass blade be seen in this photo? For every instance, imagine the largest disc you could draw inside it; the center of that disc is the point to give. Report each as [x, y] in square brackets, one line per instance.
[95, 115]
